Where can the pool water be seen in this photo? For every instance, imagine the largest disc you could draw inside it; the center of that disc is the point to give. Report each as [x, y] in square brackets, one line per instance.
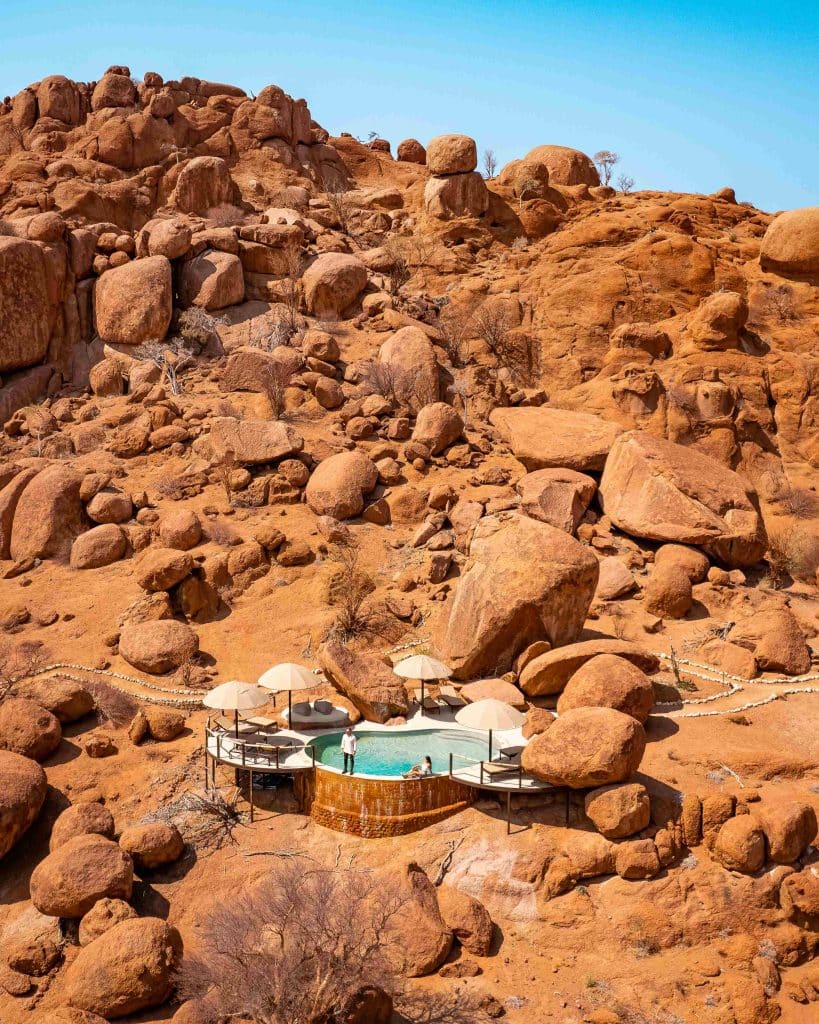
[393, 753]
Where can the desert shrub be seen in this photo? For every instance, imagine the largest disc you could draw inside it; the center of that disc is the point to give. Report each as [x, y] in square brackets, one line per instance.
[275, 381]
[455, 324]
[800, 502]
[196, 328]
[348, 594]
[793, 553]
[294, 947]
[340, 201]
[777, 303]
[111, 704]
[397, 258]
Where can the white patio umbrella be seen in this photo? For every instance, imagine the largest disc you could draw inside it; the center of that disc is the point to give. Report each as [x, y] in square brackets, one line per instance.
[288, 676]
[422, 668]
[235, 696]
[490, 716]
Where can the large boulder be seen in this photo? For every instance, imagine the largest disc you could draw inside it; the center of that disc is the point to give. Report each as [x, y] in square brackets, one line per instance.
[549, 672]
[566, 166]
[66, 699]
[70, 880]
[31, 942]
[618, 811]
[27, 728]
[58, 98]
[128, 969]
[212, 280]
[659, 490]
[715, 324]
[501, 606]
[102, 917]
[202, 184]
[377, 693]
[437, 426]
[542, 437]
[559, 497]
[27, 307]
[254, 442]
[113, 90]
[339, 483]
[133, 303]
[23, 788]
[153, 844]
[789, 827]
[421, 939]
[586, 747]
[162, 568]
[467, 918]
[49, 515]
[81, 819]
[332, 284]
[668, 592]
[451, 154]
[776, 640]
[180, 529]
[410, 360]
[790, 246]
[456, 195]
[98, 547]
[740, 844]
[609, 682]
[159, 646]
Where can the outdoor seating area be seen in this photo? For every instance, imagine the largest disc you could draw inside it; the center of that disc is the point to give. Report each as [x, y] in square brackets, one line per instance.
[444, 724]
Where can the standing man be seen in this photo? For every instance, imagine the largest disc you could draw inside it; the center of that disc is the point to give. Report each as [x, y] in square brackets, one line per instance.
[348, 748]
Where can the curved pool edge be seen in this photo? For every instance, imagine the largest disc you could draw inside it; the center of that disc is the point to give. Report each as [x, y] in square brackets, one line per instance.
[374, 807]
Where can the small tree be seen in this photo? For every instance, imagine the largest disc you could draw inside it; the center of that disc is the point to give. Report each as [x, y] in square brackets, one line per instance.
[605, 161]
[225, 468]
[397, 257]
[196, 328]
[291, 294]
[169, 356]
[490, 164]
[338, 198]
[348, 594]
[625, 184]
[454, 325]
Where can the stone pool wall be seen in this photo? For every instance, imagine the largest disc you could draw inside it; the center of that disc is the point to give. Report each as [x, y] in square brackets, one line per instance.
[375, 808]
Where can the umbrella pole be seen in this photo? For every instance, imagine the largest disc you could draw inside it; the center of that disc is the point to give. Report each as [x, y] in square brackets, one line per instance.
[236, 721]
[490, 744]
[289, 709]
[422, 696]
[508, 811]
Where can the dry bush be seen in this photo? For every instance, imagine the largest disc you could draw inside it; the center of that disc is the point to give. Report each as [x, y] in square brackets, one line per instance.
[777, 303]
[528, 187]
[384, 379]
[291, 293]
[518, 352]
[793, 553]
[490, 163]
[339, 201]
[348, 594]
[111, 704]
[224, 470]
[275, 381]
[222, 534]
[293, 949]
[800, 502]
[397, 256]
[216, 814]
[197, 328]
[625, 184]
[455, 325]
[171, 358]
[605, 161]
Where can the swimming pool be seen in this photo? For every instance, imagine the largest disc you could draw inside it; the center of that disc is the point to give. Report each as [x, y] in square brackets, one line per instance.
[394, 752]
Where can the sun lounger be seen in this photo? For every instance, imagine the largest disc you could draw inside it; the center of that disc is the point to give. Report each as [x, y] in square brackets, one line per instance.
[450, 696]
[511, 752]
[496, 769]
[263, 724]
[229, 725]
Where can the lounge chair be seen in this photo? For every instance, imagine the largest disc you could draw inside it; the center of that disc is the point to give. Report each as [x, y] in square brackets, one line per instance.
[512, 751]
[450, 696]
[263, 724]
[229, 725]
[496, 769]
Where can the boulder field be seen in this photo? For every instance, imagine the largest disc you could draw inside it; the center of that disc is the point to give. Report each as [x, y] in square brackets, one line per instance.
[271, 395]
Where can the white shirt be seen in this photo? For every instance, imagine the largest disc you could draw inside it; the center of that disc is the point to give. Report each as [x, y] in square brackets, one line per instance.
[348, 743]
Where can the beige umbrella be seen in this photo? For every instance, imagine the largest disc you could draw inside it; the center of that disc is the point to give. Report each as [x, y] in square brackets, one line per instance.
[422, 667]
[288, 676]
[490, 715]
[235, 696]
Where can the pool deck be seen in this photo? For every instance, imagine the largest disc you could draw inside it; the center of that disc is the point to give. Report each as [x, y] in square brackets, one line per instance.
[225, 749]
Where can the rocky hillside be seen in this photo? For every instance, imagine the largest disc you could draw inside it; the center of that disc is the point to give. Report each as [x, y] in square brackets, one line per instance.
[273, 395]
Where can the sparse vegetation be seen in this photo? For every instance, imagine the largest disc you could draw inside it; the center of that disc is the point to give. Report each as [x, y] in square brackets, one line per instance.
[349, 593]
[605, 160]
[490, 163]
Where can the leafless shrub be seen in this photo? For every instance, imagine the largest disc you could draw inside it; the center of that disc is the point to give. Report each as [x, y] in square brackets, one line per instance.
[799, 502]
[295, 947]
[625, 184]
[793, 553]
[492, 323]
[339, 201]
[111, 704]
[605, 161]
[276, 377]
[619, 621]
[197, 328]
[777, 302]
[218, 813]
[169, 356]
[528, 187]
[222, 534]
[39, 427]
[398, 265]
[291, 293]
[518, 351]
[382, 378]
[490, 163]
[225, 469]
[348, 594]
[520, 244]
[455, 326]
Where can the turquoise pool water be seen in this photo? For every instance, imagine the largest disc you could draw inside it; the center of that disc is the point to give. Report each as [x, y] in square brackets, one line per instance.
[393, 753]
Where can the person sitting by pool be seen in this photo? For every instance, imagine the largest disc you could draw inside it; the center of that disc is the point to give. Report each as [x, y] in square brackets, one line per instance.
[418, 771]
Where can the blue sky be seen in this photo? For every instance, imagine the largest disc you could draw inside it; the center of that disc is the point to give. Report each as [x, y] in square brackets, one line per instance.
[694, 95]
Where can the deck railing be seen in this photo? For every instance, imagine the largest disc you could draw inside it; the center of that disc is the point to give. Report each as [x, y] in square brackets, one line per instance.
[274, 754]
